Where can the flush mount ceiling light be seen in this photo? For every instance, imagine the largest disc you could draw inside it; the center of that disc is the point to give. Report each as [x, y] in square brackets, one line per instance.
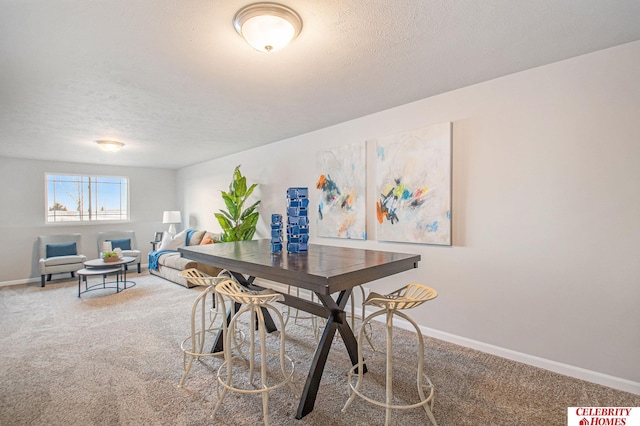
[110, 146]
[267, 27]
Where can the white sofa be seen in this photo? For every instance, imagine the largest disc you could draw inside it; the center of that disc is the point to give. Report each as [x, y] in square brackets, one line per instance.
[170, 264]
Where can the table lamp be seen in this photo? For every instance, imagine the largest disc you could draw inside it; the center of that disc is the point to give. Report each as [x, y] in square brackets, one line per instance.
[171, 217]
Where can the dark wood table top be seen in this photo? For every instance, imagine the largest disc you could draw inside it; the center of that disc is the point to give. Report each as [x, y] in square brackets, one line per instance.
[323, 269]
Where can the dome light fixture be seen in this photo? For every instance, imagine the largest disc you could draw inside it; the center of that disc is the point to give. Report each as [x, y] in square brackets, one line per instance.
[267, 27]
[110, 146]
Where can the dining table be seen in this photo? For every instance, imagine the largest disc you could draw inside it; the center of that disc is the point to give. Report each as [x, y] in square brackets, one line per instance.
[330, 272]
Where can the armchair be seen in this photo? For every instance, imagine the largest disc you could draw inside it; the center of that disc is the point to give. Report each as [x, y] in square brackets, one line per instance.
[126, 240]
[59, 254]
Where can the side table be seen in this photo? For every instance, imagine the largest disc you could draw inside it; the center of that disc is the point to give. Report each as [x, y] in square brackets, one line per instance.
[84, 274]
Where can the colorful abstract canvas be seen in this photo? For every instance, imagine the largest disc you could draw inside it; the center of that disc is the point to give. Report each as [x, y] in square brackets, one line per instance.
[342, 183]
[413, 186]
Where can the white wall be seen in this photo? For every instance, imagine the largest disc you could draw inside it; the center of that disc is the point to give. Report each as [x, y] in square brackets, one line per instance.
[545, 265]
[22, 216]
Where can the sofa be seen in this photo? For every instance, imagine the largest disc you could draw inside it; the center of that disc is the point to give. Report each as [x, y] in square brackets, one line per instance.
[166, 262]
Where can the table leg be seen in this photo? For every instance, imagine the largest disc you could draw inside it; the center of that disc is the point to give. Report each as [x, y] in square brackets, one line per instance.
[310, 390]
[336, 321]
[219, 340]
[349, 339]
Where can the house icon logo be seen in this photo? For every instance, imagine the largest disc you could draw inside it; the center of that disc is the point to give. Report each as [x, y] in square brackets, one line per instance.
[584, 421]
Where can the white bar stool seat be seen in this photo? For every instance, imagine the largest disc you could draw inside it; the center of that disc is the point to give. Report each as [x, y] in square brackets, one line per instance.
[391, 304]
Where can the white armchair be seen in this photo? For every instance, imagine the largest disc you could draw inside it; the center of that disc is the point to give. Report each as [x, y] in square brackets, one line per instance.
[59, 254]
[125, 240]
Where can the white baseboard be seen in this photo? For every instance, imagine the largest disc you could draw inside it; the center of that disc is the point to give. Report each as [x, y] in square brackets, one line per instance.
[37, 279]
[22, 281]
[556, 367]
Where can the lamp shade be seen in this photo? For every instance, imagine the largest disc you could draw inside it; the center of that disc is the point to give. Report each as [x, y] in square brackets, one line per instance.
[267, 27]
[171, 216]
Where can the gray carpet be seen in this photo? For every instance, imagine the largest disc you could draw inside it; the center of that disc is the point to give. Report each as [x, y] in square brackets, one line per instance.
[114, 359]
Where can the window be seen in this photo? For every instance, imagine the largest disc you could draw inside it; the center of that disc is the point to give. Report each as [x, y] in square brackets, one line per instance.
[72, 198]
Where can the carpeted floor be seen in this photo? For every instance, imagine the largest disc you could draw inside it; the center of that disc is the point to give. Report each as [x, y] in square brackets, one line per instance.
[115, 359]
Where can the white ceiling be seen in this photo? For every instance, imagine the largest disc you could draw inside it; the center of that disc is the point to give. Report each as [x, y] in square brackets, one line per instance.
[174, 82]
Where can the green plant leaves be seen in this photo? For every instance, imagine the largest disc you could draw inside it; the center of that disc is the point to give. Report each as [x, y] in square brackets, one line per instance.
[232, 205]
[238, 224]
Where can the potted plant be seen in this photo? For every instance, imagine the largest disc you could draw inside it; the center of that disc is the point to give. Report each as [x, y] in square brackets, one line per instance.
[238, 223]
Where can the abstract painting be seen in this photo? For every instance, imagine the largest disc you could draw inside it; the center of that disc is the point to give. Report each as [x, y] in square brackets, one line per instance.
[413, 186]
[342, 183]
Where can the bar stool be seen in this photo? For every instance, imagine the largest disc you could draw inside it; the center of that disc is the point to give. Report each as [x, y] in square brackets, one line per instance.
[407, 297]
[253, 302]
[193, 345]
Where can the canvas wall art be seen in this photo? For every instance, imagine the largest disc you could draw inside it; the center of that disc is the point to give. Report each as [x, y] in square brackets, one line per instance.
[413, 186]
[341, 184]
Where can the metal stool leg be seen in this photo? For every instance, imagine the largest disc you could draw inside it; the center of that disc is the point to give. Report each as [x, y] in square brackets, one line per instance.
[367, 333]
[193, 345]
[407, 297]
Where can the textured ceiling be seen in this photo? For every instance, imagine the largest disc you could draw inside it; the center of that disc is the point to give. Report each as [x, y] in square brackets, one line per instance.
[174, 82]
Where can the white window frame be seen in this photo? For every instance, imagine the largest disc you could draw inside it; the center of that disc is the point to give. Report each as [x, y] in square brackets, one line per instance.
[91, 214]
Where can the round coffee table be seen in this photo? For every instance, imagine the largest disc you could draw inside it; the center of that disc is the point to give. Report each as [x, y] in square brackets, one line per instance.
[98, 264]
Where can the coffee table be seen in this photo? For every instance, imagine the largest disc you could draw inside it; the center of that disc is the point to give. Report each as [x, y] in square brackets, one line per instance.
[98, 264]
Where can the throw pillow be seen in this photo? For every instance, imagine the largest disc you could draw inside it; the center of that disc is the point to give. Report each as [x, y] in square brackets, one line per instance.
[122, 244]
[206, 240]
[64, 249]
[196, 237]
[173, 242]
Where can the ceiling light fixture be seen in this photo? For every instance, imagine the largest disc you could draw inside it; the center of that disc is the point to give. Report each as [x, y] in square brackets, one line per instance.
[110, 146]
[267, 27]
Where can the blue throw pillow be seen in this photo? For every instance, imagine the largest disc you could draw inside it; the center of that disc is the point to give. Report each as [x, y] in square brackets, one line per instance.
[123, 244]
[66, 249]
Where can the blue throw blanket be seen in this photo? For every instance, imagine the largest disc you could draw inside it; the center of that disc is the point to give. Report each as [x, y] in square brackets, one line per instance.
[154, 256]
[189, 234]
